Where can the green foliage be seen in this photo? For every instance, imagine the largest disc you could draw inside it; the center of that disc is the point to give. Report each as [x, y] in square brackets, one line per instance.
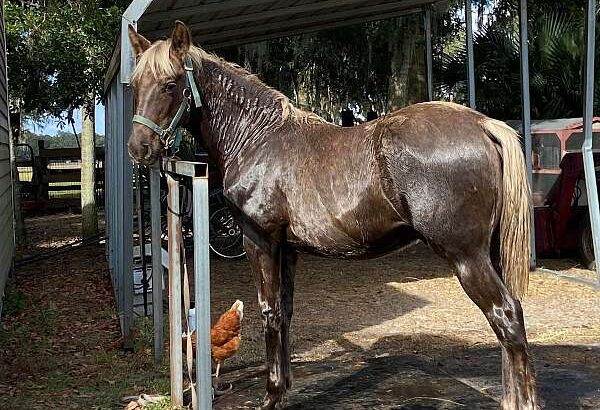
[61, 140]
[368, 65]
[13, 302]
[163, 404]
[556, 55]
[334, 69]
[58, 52]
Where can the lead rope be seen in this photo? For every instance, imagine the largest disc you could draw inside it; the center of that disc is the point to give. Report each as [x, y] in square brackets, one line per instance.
[186, 303]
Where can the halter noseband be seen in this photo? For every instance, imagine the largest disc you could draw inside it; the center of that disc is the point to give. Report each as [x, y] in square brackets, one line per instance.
[168, 135]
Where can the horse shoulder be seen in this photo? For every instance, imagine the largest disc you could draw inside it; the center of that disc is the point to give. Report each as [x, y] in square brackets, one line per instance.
[254, 191]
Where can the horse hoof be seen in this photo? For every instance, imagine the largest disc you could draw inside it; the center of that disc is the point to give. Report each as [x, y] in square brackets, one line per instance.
[271, 403]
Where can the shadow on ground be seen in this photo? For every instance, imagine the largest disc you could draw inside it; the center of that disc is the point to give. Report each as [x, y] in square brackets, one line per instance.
[332, 297]
[450, 378]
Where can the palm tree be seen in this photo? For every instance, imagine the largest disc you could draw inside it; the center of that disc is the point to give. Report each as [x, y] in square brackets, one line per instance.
[556, 54]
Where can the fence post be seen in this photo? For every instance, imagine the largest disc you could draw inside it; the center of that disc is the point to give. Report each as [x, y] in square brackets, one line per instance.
[157, 267]
[175, 328]
[202, 292]
[41, 170]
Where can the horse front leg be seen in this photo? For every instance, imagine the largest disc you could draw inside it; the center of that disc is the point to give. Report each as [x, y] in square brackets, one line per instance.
[275, 286]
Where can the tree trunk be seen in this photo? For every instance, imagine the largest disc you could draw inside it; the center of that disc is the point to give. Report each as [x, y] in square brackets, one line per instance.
[401, 43]
[89, 211]
[406, 76]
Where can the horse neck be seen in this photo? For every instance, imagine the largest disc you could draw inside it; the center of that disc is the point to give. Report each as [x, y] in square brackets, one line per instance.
[238, 113]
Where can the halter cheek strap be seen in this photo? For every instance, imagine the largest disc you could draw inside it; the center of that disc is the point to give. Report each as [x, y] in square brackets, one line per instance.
[168, 135]
[188, 66]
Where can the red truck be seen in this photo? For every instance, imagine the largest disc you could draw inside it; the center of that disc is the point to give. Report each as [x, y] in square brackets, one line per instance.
[562, 225]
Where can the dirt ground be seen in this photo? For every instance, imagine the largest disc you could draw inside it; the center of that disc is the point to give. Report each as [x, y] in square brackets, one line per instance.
[356, 324]
[46, 232]
[410, 299]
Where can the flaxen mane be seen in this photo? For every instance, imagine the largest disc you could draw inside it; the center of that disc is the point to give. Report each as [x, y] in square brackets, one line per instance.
[157, 60]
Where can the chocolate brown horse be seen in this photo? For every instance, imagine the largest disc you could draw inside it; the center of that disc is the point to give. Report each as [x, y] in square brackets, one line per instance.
[436, 172]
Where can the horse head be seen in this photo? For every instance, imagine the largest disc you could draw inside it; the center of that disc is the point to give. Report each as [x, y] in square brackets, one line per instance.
[161, 92]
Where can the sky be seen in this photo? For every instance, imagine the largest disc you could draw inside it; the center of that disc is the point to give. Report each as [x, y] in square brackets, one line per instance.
[50, 126]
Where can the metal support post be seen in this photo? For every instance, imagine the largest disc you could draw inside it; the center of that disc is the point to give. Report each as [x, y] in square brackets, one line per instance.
[588, 116]
[139, 199]
[429, 53]
[202, 293]
[470, 59]
[526, 113]
[175, 328]
[157, 267]
[125, 224]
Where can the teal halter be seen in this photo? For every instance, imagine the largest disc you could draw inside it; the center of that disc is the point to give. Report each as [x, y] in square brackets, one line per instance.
[169, 135]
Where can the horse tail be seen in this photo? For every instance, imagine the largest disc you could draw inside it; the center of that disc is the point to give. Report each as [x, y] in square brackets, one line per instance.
[515, 220]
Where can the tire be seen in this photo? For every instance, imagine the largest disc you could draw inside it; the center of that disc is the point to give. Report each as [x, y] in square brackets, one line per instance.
[225, 235]
[586, 246]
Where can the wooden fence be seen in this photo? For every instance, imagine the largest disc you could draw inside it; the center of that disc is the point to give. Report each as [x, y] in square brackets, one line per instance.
[56, 176]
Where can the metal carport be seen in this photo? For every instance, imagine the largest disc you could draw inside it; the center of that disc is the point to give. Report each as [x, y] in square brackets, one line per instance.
[217, 24]
[214, 24]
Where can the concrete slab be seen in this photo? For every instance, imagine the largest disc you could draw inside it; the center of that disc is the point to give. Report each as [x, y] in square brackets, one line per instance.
[567, 379]
[380, 383]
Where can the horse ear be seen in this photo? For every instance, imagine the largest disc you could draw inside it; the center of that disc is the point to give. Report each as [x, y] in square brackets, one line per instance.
[139, 43]
[181, 39]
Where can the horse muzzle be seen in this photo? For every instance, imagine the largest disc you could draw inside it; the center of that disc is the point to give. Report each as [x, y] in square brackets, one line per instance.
[143, 147]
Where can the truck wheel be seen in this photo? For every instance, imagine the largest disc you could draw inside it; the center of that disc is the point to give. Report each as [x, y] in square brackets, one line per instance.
[586, 246]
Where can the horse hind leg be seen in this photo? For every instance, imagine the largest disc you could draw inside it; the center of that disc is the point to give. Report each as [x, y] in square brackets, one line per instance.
[483, 285]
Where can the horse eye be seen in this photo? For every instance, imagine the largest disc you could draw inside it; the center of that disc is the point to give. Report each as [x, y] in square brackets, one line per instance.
[170, 86]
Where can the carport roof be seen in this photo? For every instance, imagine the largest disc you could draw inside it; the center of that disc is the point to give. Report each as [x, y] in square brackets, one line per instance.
[220, 23]
[231, 22]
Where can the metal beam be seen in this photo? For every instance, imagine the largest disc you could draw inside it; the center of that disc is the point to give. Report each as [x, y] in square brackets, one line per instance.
[199, 9]
[123, 228]
[113, 67]
[288, 13]
[308, 26]
[428, 53]
[588, 117]
[470, 58]
[526, 112]
[185, 168]
[202, 292]
[131, 16]
[205, 36]
[157, 267]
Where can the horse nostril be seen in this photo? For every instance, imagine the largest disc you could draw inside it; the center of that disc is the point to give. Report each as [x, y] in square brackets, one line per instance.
[139, 151]
[148, 151]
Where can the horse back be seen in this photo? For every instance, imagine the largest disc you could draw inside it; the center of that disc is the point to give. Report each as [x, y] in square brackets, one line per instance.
[441, 171]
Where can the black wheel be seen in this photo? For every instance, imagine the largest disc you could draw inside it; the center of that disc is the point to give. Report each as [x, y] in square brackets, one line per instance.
[586, 246]
[225, 235]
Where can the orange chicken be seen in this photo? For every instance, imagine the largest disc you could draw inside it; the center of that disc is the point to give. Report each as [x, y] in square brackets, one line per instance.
[225, 335]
